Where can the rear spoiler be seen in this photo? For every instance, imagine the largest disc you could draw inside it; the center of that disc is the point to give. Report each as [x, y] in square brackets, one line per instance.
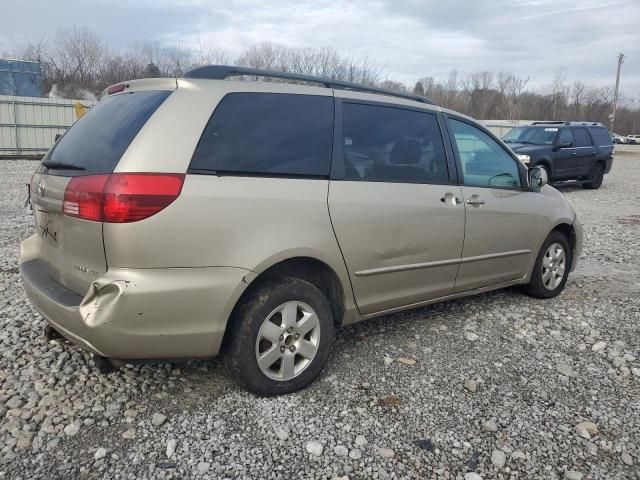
[140, 85]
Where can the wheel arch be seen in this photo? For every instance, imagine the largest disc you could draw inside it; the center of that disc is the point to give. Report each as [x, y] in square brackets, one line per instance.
[545, 162]
[309, 269]
[569, 231]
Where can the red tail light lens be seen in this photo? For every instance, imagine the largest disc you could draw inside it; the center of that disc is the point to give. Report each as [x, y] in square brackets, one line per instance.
[129, 197]
[121, 197]
[83, 197]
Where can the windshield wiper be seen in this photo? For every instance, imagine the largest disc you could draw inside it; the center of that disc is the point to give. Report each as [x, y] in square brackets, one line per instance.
[62, 166]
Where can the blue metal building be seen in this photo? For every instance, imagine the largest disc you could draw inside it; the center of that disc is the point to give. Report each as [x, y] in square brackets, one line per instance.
[20, 77]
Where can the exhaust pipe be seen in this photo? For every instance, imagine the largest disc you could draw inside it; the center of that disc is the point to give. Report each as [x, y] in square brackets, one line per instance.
[106, 365]
[51, 333]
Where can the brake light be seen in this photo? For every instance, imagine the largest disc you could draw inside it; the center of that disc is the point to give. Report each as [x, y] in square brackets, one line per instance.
[83, 197]
[121, 197]
[117, 88]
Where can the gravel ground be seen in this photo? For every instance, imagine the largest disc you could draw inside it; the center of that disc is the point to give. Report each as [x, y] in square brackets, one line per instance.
[494, 386]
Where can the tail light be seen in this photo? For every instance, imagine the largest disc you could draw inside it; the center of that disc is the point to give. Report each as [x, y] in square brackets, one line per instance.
[120, 197]
[117, 88]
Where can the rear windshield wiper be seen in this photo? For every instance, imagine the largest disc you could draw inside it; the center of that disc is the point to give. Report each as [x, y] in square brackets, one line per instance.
[62, 166]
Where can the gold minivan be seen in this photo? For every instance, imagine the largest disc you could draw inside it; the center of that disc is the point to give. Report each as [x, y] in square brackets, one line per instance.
[191, 217]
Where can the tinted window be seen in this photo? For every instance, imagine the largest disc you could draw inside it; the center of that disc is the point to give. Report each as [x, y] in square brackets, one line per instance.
[582, 137]
[566, 136]
[97, 141]
[532, 135]
[485, 163]
[268, 133]
[386, 144]
[600, 136]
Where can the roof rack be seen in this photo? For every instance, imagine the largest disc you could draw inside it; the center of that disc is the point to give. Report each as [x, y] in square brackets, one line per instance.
[220, 72]
[554, 122]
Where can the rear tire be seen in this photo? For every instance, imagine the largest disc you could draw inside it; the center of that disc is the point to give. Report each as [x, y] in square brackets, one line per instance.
[595, 178]
[551, 269]
[281, 337]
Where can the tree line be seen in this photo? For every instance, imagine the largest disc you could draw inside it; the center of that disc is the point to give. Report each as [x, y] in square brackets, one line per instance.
[76, 63]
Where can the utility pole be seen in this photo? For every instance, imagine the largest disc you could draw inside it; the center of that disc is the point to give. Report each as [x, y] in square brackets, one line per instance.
[615, 95]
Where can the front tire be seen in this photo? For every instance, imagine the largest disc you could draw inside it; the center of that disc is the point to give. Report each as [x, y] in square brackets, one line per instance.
[281, 337]
[548, 170]
[551, 269]
[596, 177]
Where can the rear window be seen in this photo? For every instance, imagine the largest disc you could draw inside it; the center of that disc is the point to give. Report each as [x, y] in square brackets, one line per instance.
[97, 141]
[268, 133]
[600, 136]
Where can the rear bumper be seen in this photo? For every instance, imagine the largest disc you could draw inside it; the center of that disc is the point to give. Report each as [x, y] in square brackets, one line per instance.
[142, 314]
[608, 164]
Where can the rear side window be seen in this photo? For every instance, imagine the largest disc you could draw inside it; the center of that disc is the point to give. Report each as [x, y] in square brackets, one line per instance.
[268, 133]
[97, 141]
[601, 136]
[387, 144]
[582, 137]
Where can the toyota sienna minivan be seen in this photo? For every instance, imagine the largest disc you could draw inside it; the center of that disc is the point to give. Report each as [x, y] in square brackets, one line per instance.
[218, 215]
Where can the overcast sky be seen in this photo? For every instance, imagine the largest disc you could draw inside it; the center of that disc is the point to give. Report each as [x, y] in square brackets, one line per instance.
[408, 38]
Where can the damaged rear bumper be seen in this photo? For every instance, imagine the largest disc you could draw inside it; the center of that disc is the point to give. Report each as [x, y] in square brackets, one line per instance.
[132, 314]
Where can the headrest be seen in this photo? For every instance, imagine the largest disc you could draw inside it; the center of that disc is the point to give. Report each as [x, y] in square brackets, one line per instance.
[405, 152]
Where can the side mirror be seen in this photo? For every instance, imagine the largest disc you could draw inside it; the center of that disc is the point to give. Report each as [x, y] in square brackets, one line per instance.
[566, 144]
[537, 177]
[57, 137]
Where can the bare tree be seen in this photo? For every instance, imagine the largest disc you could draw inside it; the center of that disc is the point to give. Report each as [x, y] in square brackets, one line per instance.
[76, 60]
[577, 97]
[322, 62]
[77, 64]
[559, 92]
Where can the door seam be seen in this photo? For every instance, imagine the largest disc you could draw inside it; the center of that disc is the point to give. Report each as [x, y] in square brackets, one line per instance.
[464, 237]
[344, 260]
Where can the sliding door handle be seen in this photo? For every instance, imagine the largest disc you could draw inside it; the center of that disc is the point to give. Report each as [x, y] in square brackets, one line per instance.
[475, 200]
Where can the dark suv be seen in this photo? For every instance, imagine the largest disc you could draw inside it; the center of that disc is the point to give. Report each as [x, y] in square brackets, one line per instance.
[581, 151]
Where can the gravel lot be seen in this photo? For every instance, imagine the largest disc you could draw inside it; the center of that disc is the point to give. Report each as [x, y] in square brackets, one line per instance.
[501, 385]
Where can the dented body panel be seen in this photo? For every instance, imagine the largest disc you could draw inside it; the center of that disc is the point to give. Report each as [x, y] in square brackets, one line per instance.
[141, 313]
[402, 245]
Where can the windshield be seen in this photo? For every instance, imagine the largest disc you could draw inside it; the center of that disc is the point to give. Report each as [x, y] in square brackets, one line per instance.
[532, 135]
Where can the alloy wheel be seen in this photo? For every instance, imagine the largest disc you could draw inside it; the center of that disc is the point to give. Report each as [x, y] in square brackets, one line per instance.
[553, 266]
[288, 341]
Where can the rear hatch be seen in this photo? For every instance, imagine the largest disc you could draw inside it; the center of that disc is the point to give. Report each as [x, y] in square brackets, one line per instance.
[72, 248]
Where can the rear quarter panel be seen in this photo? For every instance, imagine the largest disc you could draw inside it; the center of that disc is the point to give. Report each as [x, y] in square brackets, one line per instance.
[233, 221]
[241, 221]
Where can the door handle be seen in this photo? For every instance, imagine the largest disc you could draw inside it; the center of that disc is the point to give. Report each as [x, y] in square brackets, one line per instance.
[450, 199]
[573, 154]
[475, 200]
